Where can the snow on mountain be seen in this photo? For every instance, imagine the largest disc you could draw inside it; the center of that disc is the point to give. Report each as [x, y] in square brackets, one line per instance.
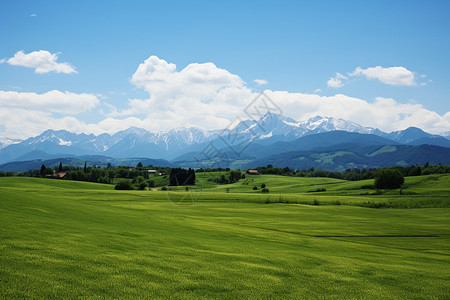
[274, 126]
[445, 134]
[320, 124]
[5, 142]
[138, 142]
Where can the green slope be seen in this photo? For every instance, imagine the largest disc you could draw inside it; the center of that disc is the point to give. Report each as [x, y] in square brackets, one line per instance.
[75, 239]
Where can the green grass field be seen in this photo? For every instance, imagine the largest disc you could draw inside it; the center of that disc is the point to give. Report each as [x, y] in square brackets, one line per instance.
[65, 239]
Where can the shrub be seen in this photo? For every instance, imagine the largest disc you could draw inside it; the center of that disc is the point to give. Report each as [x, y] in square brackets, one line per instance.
[164, 188]
[138, 179]
[368, 187]
[388, 179]
[255, 188]
[377, 192]
[316, 202]
[265, 190]
[318, 190]
[142, 186]
[124, 185]
[263, 185]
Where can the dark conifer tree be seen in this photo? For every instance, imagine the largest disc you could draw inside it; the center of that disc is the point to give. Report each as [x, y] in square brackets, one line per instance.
[42, 169]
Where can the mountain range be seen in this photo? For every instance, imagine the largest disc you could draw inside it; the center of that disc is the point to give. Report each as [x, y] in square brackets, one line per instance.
[248, 143]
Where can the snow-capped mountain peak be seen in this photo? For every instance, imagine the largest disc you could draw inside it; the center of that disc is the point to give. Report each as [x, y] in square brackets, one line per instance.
[5, 142]
[138, 142]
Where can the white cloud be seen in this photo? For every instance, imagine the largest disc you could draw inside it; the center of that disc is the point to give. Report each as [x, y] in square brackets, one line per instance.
[29, 114]
[316, 91]
[33, 15]
[23, 122]
[200, 95]
[398, 76]
[161, 79]
[261, 81]
[206, 96]
[384, 113]
[52, 101]
[336, 82]
[41, 61]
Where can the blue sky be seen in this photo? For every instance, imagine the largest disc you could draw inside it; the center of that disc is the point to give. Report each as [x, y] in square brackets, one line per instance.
[392, 57]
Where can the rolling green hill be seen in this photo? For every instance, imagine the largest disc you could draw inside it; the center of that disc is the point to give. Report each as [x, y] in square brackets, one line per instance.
[65, 239]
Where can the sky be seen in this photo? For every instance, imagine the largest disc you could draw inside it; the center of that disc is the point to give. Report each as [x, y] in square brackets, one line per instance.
[104, 66]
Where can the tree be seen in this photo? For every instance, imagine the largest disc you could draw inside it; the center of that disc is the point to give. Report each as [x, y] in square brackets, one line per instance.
[85, 167]
[179, 176]
[124, 185]
[142, 186]
[48, 171]
[388, 179]
[60, 167]
[235, 176]
[191, 177]
[42, 170]
[138, 179]
[139, 165]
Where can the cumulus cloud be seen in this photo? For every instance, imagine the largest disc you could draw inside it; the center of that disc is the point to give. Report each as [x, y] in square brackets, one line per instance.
[261, 81]
[41, 61]
[202, 95]
[210, 97]
[398, 76]
[202, 81]
[336, 82]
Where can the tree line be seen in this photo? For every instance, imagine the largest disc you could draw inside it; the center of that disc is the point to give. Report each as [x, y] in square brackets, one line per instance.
[354, 174]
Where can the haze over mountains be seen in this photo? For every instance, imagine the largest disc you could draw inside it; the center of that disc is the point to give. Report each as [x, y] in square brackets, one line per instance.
[266, 140]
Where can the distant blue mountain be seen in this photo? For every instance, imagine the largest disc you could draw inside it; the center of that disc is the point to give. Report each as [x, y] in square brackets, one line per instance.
[347, 156]
[271, 135]
[78, 161]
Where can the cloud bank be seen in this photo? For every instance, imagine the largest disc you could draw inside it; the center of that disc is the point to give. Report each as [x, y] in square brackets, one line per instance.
[202, 95]
[29, 114]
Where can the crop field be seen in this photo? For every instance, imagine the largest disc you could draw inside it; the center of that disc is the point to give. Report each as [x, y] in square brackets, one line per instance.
[307, 238]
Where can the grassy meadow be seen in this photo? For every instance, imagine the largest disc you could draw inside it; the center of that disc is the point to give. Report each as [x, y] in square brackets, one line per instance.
[67, 239]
